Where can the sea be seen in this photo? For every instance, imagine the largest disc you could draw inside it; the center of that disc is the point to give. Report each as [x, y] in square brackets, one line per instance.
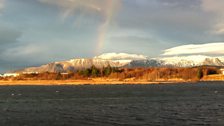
[184, 104]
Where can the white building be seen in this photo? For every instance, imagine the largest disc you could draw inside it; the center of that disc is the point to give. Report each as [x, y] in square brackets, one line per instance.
[10, 75]
[30, 72]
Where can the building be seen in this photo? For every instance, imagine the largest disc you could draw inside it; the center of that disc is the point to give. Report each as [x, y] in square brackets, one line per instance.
[64, 73]
[30, 72]
[10, 75]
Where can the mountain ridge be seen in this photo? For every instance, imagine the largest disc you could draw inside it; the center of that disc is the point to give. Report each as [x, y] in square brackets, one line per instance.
[124, 60]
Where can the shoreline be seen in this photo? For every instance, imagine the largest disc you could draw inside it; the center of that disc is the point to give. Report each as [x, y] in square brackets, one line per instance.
[97, 82]
[84, 82]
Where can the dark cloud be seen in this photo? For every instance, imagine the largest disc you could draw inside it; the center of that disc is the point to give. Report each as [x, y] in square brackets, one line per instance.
[8, 35]
[173, 20]
[8, 39]
[15, 54]
[32, 32]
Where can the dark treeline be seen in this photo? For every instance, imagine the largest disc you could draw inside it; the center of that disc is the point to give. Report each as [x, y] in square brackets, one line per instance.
[150, 74]
[95, 72]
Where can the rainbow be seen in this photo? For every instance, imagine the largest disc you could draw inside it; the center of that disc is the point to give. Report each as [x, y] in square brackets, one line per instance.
[111, 7]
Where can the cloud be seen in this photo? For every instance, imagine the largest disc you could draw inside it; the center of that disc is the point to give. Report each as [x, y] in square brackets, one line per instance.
[216, 8]
[23, 50]
[2, 4]
[218, 29]
[23, 55]
[134, 41]
[120, 56]
[208, 49]
[8, 35]
[70, 7]
[105, 8]
[15, 53]
[8, 38]
[168, 20]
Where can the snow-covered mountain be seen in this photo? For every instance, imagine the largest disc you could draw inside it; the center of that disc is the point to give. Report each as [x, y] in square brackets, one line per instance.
[190, 61]
[104, 60]
[126, 60]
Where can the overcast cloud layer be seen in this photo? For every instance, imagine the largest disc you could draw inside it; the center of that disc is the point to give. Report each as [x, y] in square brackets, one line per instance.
[1, 4]
[205, 49]
[34, 32]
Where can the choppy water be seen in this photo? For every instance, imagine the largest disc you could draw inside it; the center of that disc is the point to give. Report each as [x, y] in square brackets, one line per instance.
[113, 105]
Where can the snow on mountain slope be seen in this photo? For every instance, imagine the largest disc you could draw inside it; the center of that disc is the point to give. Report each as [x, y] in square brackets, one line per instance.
[104, 60]
[184, 61]
[126, 60]
[221, 58]
[73, 65]
[189, 61]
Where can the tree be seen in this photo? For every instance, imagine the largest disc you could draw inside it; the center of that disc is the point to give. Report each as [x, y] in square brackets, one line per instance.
[58, 76]
[199, 73]
[85, 72]
[107, 71]
[94, 71]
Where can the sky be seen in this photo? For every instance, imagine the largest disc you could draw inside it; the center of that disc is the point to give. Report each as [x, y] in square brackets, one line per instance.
[34, 32]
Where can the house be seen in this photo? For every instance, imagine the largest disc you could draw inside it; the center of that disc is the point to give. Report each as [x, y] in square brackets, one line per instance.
[30, 72]
[222, 71]
[10, 75]
[64, 73]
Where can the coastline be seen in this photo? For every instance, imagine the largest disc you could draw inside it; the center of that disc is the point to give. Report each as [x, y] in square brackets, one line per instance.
[106, 81]
[82, 82]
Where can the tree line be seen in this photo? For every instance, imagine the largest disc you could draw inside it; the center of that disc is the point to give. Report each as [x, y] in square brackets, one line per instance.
[150, 74]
